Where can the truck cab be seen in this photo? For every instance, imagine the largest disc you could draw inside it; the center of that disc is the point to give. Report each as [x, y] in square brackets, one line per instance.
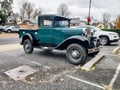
[54, 32]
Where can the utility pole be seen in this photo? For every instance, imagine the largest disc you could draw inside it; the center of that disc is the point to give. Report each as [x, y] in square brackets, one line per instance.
[89, 19]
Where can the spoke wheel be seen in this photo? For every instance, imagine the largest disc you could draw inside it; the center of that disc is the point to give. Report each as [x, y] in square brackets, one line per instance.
[76, 54]
[28, 47]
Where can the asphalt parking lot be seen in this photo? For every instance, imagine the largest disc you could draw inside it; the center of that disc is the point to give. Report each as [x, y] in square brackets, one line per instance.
[55, 72]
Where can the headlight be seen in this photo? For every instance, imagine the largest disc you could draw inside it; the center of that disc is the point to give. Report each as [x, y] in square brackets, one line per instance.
[87, 33]
[112, 34]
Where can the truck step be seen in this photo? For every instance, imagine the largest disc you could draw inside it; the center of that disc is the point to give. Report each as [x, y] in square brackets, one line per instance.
[45, 48]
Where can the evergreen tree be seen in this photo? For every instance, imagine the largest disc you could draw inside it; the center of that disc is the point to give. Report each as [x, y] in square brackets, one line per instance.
[3, 18]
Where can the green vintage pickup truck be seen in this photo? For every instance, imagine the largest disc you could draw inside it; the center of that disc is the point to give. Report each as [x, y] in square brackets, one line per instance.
[54, 32]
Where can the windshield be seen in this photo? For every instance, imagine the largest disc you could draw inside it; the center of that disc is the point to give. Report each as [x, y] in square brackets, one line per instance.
[95, 28]
[61, 22]
[6, 26]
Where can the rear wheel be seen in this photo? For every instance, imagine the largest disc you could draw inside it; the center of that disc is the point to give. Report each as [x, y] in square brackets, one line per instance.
[76, 54]
[28, 47]
[104, 40]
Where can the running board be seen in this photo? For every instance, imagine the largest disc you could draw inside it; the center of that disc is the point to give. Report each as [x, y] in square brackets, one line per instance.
[45, 48]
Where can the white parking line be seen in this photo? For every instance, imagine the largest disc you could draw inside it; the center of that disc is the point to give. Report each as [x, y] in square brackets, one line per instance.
[78, 79]
[115, 76]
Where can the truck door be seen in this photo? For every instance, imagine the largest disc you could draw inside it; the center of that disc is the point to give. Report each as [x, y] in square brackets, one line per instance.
[45, 30]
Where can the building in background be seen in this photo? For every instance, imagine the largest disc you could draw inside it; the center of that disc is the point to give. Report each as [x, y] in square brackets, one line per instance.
[77, 22]
[100, 25]
[29, 24]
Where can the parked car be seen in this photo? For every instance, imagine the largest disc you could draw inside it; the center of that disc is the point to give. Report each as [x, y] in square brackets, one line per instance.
[1, 27]
[4, 27]
[106, 37]
[10, 29]
[54, 32]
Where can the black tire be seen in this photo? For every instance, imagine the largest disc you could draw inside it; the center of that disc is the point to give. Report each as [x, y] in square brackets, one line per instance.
[28, 47]
[8, 31]
[104, 40]
[76, 54]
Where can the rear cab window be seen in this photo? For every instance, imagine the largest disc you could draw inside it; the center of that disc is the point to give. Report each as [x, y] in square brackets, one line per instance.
[46, 22]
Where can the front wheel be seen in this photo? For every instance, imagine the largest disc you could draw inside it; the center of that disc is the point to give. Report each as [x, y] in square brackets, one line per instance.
[28, 47]
[76, 54]
[104, 40]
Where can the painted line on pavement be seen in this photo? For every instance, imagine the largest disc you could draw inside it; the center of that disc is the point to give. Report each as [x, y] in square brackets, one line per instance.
[78, 79]
[115, 76]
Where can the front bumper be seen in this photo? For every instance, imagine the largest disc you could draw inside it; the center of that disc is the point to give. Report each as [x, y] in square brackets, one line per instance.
[92, 50]
[94, 44]
[115, 40]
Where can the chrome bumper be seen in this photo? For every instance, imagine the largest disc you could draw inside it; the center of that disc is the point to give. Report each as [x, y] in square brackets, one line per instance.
[92, 50]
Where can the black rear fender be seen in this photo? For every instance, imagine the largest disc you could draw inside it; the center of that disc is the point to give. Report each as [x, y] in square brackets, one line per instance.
[27, 36]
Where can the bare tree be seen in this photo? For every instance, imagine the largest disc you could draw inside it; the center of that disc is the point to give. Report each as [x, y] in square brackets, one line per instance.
[22, 14]
[15, 15]
[106, 18]
[63, 10]
[37, 12]
[27, 11]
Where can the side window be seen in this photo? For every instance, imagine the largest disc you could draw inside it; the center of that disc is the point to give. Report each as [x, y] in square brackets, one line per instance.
[46, 22]
[61, 22]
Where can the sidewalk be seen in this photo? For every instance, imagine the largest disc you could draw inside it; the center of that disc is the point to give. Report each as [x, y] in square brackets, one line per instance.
[10, 47]
[8, 35]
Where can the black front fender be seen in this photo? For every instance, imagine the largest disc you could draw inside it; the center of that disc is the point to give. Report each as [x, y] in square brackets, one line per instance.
[74, 39]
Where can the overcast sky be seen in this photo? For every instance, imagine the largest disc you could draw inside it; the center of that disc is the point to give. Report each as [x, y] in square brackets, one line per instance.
[78, 8]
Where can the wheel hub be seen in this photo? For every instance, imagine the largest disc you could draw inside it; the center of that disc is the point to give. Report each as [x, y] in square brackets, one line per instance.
[103, 41]
[27, 47]
[75, 54]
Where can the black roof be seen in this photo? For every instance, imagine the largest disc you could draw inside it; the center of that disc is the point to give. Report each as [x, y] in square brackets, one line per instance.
[53, 15]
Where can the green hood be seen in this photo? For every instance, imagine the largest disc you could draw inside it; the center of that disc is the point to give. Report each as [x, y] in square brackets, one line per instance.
[72, 32]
